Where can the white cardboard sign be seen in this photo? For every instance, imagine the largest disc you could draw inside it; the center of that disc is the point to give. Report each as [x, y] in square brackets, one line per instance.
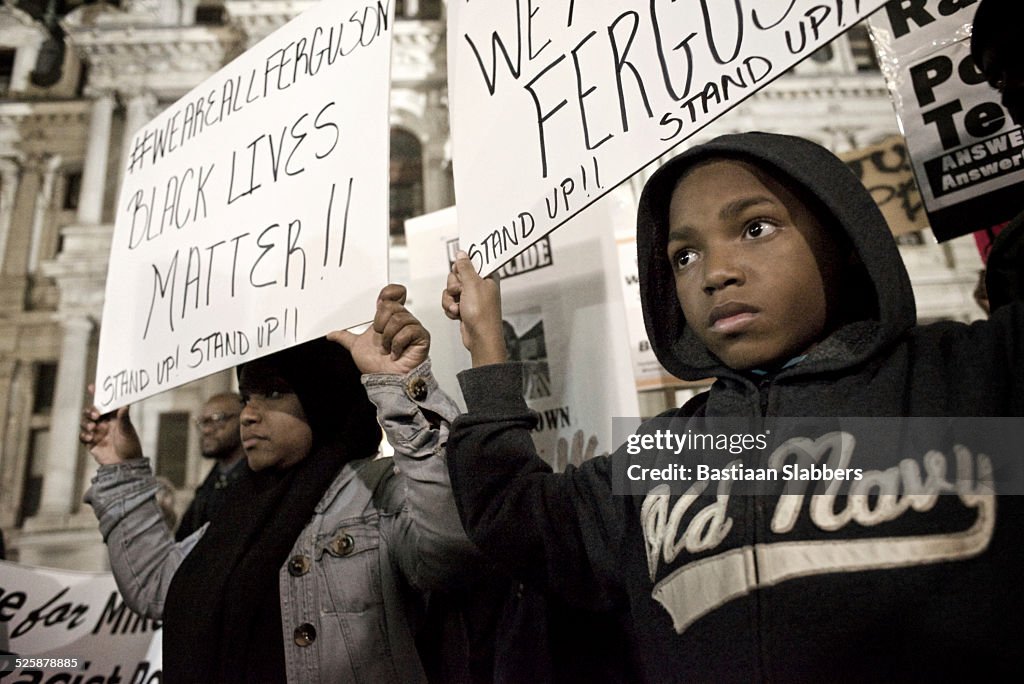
[559, 101]
[253, 214]
[563, 318]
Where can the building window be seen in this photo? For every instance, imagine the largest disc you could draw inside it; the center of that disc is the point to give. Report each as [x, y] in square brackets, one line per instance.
[406, 179]
[72, 190]
[45, 386]
[823, 55]
[32, 487]
[6, 69]
[864, 56]
[172, 446]
[210, 15]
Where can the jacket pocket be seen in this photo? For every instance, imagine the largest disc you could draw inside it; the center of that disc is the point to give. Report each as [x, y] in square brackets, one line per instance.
[349, 558]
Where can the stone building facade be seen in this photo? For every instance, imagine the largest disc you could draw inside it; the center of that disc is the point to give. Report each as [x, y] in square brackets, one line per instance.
[66, 117]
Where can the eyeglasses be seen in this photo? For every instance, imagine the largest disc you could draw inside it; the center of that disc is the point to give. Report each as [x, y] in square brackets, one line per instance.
[213, 420]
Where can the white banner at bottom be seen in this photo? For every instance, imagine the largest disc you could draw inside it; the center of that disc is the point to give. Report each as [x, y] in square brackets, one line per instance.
[72, 628]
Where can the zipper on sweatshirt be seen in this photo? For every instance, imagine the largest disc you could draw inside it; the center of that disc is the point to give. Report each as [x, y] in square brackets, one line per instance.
[764, 388]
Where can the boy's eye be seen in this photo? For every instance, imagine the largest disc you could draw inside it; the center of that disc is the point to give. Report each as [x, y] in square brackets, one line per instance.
[683, 258]
[759, 228]
[274, 394]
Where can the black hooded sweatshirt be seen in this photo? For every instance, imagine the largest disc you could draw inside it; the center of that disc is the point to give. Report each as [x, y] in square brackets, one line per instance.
[927, 594]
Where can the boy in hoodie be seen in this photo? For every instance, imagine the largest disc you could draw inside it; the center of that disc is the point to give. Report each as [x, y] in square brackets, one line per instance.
[766, 264]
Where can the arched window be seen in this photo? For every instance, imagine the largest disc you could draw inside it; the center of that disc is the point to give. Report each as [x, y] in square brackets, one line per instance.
[406, 179]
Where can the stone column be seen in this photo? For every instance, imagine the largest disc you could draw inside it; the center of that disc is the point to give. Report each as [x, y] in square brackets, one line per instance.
[41, 242]
[30, 182]
[94, 175]
[438, 192]
[169, 12]
[8, 188]
[24, 62]
[14, 264]
[188, 12]
[59, 496]
[138, 111]
[10, 458]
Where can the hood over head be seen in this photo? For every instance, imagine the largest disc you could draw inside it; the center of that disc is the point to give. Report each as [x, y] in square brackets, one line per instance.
[328, 384]
[837, 198]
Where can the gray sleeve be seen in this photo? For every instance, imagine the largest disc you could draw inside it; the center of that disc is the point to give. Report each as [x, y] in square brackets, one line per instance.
[419, 519]
[142, 550]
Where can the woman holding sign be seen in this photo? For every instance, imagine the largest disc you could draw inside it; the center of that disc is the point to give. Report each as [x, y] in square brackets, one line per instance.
[319, 568]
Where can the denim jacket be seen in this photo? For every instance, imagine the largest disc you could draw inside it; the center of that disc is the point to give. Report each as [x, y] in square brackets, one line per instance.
[352, 590]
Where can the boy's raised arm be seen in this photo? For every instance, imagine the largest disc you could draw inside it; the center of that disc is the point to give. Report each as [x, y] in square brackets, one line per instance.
[561, 532]
[476, 303]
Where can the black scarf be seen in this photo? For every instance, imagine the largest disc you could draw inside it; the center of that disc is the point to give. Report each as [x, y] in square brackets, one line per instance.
[222, 616]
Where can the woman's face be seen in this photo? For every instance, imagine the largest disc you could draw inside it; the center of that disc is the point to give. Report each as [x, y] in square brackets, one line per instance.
[274, 430]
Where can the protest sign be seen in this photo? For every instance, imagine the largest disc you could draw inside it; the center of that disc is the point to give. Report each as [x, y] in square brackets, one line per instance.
[63, 626]
[885, 171]
[563, 319]
[253, 214]
[967, 154]
[559, 101]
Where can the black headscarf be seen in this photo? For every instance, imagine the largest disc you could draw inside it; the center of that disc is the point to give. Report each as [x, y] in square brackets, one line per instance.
[222, 617]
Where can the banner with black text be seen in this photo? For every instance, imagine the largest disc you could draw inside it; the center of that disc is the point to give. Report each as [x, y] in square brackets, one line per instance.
[555, 102]
[64, 626]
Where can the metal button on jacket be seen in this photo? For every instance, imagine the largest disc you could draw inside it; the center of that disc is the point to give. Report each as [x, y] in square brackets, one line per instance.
[298, 566]
[342, 545]
[305, 634]
[416, 389]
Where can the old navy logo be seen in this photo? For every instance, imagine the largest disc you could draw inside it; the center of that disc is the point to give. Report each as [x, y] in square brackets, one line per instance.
[702, 586]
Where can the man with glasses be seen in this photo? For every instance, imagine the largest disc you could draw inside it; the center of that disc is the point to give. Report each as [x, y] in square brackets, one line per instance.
[219, 440]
